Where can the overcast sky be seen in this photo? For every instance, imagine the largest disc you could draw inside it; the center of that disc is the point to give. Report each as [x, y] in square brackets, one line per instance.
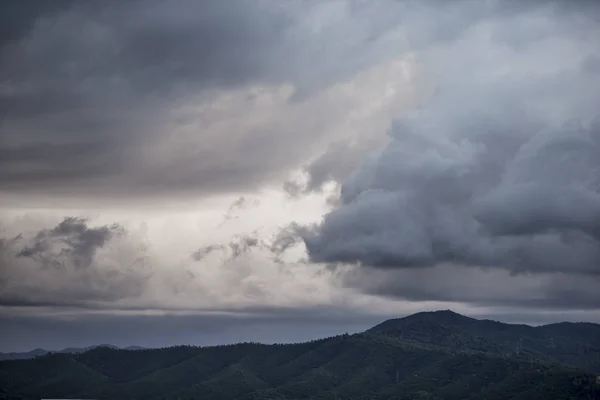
[207, 172]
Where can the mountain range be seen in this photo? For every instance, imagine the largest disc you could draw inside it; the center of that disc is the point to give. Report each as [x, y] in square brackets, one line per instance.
[73, 350]
[433, 355]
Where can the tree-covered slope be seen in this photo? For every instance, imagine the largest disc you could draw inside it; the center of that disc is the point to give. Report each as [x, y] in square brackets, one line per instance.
[377, 364]
[577, 344]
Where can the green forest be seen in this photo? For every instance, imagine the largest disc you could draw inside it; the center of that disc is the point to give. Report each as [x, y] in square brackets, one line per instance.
[435, 355]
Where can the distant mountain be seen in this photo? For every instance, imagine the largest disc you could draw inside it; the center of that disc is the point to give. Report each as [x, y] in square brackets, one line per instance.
[77, 350]
[71, 350]
[24, 355]
[430, 356]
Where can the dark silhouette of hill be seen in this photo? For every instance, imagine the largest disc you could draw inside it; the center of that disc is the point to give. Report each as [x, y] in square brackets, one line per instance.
[424, 356]
[576, 344]
[23, 355]
[41, 352]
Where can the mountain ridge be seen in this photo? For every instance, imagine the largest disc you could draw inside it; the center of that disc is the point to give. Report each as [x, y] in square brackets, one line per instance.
[446, 312]
[42, 352]
[379, 363]
[571, 343]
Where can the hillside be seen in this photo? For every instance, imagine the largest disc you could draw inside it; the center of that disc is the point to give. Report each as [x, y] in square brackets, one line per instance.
[377, 364]
[576, 344]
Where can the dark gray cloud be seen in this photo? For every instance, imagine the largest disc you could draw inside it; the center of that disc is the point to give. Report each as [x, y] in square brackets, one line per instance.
[19, 17]
[81, 241]
[149, 47]
[480, 286]
[93, 94]
[536, 210]
[435, 25]
[61, 266]
[85, 84]
[501, 168]
[238, 246]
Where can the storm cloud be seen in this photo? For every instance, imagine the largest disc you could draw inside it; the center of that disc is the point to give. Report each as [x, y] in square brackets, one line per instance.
[479, 286]
[136, 99]
[130, 98]
[499, 169]
[84, 84]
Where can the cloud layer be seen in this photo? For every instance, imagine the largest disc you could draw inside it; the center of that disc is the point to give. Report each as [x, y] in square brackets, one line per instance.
[160, 99]
[77, 264]
[485, 192]
[500, 169]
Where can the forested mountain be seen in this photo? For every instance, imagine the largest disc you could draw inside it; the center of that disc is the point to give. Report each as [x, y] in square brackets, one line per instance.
[440, 355]
[577, 344]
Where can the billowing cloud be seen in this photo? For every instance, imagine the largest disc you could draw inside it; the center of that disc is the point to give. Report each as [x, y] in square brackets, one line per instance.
[81, 265]
[537, 211]
[501, 168]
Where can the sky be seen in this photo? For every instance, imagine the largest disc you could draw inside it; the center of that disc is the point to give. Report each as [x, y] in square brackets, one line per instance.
[190, 172]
